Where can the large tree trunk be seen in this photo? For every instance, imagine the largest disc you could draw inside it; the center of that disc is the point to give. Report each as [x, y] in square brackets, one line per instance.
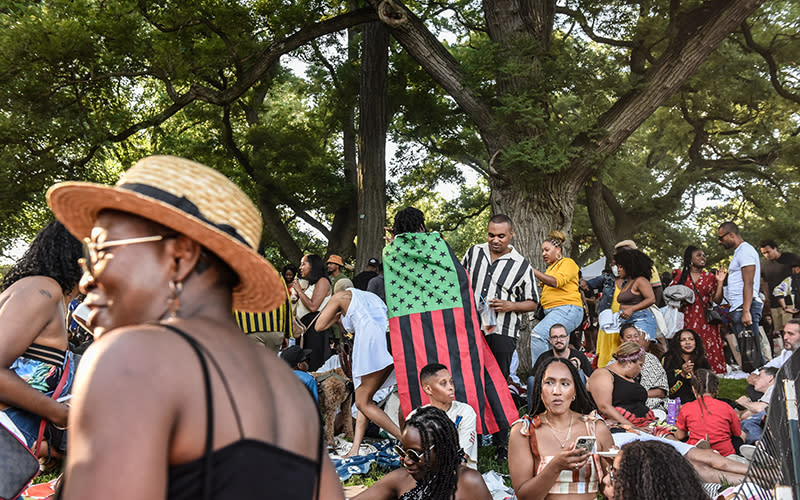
[373, 122]
[536, 213]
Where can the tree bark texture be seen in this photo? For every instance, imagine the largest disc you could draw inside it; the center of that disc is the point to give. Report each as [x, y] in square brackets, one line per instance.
[537, 212]
[372, 126]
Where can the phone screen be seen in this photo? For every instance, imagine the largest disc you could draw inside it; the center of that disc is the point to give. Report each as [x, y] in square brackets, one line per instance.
[585, 442]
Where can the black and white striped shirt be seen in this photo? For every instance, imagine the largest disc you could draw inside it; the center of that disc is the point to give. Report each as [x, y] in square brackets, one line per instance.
[510, 277]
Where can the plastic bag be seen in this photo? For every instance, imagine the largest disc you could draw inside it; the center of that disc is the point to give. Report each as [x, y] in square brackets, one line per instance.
[673, 317]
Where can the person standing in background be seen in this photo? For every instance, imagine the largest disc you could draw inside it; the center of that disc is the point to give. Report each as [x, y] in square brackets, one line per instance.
[777, 266]
[744, 282]
[503, 282]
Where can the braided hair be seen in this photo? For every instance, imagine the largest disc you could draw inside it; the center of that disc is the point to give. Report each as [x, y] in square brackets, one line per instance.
[53, 253]
[705, 381]
[656, 471]
[441, 477]
[409, 220]
[687, 262]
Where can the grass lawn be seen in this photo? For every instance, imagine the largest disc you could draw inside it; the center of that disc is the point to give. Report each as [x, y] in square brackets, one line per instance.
[731, 388]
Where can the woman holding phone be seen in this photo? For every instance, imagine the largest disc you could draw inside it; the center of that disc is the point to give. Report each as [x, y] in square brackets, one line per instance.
[550, 455]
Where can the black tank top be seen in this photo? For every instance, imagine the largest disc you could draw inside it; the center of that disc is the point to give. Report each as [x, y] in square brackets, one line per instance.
[245, 468]
[629, 395]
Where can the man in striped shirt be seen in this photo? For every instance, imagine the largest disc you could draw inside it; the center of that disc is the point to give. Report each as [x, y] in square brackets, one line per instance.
[504, 286]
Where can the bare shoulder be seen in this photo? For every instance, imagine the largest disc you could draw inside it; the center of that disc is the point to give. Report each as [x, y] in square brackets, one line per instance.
[35, 290]
[131, 350]
[471, 485]
[601, 378]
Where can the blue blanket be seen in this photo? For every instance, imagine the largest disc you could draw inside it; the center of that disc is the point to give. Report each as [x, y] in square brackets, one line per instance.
[385, 457]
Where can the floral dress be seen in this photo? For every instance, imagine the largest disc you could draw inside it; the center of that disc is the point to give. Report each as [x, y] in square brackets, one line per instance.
[694, 317]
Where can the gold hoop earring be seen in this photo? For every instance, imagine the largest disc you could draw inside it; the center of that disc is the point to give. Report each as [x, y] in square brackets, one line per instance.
[174, 301]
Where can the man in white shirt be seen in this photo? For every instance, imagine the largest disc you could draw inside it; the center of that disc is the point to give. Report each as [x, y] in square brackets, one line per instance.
[744, 282]
[438, 385]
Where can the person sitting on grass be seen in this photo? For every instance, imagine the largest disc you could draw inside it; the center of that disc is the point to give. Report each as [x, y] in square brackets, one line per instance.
[621, 401]
[298, 358]
[433, 467]
[707, 420]
[652, 470]
[545, 460]
[438, 385]
[755, 411]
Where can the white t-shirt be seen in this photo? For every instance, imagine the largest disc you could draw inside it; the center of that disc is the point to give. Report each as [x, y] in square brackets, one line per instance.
[465, 419]
[744, 255]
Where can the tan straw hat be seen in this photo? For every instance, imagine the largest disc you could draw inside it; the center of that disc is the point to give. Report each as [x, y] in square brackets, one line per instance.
[193, 199]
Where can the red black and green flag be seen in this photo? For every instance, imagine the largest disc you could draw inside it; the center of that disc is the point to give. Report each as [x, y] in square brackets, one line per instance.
[432, 319]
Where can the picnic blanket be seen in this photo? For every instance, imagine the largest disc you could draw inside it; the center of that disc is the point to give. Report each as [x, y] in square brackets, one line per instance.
[384, 456]
[433, 319]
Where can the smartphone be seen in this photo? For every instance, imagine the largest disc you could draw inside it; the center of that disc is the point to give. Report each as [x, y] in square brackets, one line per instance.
[585, 442]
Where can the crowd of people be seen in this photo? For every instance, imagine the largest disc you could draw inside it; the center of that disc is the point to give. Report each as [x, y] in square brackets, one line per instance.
[185, 315]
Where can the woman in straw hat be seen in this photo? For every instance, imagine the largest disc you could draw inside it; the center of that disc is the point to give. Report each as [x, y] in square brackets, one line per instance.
[173, 400]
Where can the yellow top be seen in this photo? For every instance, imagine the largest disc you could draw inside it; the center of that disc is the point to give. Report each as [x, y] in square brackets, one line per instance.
[565, 293]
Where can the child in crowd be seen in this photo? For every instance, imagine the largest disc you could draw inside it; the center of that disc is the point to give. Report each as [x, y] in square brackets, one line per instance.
[707, 421]
[437, 383]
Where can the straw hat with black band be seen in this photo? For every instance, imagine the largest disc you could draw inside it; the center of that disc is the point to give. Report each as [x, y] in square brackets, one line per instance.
[190, 198]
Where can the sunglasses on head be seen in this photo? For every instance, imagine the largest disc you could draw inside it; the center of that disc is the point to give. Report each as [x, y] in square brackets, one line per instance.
[414, 455]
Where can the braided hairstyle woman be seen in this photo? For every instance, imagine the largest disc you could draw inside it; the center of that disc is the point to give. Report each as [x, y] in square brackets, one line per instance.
[409, 220]
[53, 253]
[687, 261]
[705, 382]
[656, 471]
[441, 478]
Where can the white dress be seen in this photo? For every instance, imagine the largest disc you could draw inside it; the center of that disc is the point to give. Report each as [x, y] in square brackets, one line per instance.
[367, 319]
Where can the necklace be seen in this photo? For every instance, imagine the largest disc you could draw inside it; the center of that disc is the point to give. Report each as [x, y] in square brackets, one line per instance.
[553, 430]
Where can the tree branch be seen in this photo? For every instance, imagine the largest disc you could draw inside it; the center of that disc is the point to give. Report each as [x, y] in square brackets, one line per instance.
[697, 34]
[578, 17]
[771, 64]
[436, 60]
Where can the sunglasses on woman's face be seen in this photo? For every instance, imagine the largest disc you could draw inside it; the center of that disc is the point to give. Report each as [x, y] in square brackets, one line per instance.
[92, 250]
[414, 455]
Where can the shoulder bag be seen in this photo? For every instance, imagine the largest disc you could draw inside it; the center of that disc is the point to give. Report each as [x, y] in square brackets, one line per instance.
[712, 315]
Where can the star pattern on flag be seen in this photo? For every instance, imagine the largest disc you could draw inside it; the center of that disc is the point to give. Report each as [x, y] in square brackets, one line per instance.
[420, 275]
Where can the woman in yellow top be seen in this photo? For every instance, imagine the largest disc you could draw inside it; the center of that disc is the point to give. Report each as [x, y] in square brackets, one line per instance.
[561, 298]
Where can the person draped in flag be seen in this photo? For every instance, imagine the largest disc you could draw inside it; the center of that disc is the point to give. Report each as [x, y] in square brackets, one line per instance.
[505, 288]
[433, 319]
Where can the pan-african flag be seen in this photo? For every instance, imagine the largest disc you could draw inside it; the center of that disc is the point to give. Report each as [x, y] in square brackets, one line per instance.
[432, 319]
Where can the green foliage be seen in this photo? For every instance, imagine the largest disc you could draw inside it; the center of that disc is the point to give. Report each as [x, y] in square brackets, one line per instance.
[731, 388]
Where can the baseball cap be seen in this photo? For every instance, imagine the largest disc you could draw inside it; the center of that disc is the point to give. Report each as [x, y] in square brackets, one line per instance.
[295, 354]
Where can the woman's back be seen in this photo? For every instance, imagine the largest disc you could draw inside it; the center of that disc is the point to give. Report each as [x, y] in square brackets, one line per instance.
[716, 421]
[163, 380]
